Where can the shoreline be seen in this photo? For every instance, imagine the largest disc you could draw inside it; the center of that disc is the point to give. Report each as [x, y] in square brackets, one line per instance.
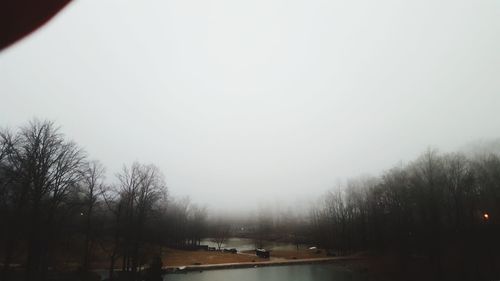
[191, 268]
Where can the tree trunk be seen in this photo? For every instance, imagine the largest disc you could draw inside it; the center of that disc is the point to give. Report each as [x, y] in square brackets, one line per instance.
[87, 252]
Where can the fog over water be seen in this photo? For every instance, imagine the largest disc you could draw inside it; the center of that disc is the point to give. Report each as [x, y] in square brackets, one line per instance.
[241, 102]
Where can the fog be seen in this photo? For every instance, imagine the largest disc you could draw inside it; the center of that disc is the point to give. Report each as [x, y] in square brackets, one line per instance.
[242, 103]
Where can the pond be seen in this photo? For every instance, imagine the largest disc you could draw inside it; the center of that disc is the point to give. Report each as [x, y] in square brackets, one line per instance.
[306, 272]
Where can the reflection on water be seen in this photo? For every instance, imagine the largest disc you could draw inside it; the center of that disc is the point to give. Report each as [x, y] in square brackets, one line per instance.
[306, 272]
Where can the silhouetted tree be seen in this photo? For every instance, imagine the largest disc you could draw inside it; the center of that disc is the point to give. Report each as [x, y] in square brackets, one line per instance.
[44, 169]
[436, 206]
[220, 234]
[91, 187]
[141, 187]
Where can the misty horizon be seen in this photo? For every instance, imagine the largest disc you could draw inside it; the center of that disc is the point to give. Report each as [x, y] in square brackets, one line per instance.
[279, 205]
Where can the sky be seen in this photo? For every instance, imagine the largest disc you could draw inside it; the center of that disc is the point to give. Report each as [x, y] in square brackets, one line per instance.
[241, 102]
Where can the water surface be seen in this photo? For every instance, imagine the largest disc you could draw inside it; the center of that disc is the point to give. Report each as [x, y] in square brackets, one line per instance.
[305, 272]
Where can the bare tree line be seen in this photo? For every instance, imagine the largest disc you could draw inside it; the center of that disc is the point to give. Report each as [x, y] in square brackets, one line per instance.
[55, 204]
[444, 208]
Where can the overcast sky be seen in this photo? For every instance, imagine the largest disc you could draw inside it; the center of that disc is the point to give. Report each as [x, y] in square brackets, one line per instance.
[238, 101]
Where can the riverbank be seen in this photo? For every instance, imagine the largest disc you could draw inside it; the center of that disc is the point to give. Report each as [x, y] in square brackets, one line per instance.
[174, 257]
[371, 266]
[259, 263]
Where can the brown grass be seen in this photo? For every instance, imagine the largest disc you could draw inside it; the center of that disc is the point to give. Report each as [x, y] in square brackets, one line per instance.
[293, 254]
[301, 254]
[173, 257]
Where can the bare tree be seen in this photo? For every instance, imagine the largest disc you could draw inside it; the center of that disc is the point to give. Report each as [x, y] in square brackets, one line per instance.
[45, 168]
[11, 200]
[113, 245]
[434, 207]
[196, 224]
[221, 234]
[263, 227]
[92, 187]
[141, 186]
[51, 168]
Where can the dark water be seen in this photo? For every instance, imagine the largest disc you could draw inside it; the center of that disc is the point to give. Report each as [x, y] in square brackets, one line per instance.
[307, 272]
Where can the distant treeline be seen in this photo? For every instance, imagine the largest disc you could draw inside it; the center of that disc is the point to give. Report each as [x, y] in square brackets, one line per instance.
[56, 208]
[443, 209]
